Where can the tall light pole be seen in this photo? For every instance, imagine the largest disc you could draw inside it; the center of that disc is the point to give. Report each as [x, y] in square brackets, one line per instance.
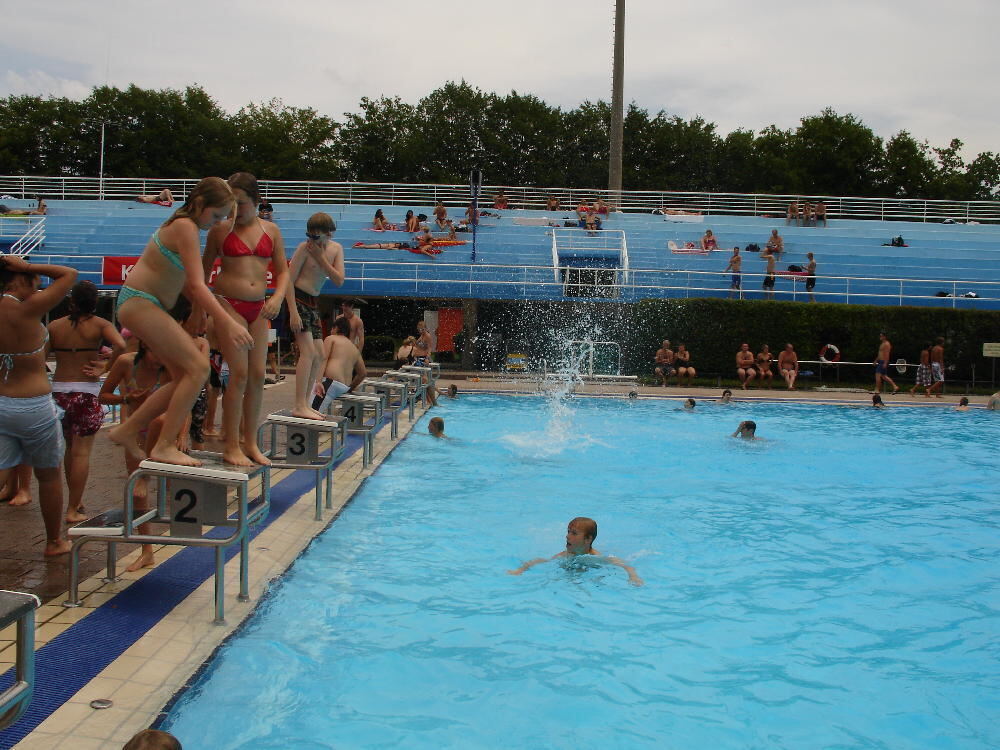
[617, 107]
[100, 168]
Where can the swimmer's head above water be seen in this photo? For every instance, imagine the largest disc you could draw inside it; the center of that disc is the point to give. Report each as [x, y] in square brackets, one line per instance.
[580, 535]
[746, 430]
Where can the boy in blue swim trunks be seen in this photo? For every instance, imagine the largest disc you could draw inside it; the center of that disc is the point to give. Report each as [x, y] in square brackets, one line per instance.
[580, 535]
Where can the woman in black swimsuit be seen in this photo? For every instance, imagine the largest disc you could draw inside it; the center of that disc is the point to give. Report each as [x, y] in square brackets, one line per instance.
[682, 363]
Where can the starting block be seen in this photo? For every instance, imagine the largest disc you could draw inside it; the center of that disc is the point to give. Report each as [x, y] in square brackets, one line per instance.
[396, 393]
[303, 448]
[432, 370]
[414, 381]
[355, 408]
[19, 608]
[188, 498]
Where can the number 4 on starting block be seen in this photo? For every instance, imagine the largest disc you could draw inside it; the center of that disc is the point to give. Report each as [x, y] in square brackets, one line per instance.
[355, 414]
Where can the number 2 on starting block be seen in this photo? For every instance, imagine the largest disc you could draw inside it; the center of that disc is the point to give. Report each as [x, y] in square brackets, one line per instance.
[193, 503]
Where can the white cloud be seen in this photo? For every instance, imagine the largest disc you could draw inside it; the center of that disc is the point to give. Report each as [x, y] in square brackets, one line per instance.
[40, 83]
[896, 64]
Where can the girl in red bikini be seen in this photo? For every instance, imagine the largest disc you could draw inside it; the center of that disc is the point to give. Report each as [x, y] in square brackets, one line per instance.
[246, 246]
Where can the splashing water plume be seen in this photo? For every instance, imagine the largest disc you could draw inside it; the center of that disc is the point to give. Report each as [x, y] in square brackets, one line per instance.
[572, 350]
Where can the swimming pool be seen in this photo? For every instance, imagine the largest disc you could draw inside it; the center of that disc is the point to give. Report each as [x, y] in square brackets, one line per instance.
[835, 585]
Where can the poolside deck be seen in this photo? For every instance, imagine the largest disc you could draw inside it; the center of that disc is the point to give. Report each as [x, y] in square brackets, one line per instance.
[156, 661]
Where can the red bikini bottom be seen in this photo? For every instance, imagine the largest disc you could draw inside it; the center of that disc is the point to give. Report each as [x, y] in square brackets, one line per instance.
[249, 310]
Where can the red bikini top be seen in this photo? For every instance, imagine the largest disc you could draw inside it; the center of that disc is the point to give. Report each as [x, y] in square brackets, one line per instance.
[234, 247]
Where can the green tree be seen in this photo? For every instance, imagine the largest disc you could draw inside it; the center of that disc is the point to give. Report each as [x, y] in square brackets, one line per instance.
[585, 144]
[837, 155]
[379, 144]
[983, 177]
[951, 181]
[775, 168]
[909, 171]
[287, 143]
[522, 142]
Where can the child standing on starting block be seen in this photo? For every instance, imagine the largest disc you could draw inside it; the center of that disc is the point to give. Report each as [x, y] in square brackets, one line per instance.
[247, 247]
[580, 535]
[171, 262]
[315, 260]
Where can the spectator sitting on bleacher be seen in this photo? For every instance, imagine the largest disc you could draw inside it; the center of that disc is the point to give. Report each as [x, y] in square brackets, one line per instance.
[820, 213]
[412, 223]
[582, 210]
[379, 223]
[708, 241]
[265, 210]
[792, 215]
[500, 200]
[809, 215]
[775, 243]
[163, 198]
[471, 216]
[600, 207]
[552, 204]
[441, 216]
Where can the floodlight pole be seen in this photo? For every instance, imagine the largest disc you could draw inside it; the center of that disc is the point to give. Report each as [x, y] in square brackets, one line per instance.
[100, 169]
[617, 108]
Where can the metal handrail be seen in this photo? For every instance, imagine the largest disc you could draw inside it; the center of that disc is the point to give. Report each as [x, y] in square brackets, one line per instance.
[388, 193]
[479, 275]
[31, 239]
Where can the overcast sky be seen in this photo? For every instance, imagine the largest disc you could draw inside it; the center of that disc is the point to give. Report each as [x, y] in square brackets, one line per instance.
[916, 65]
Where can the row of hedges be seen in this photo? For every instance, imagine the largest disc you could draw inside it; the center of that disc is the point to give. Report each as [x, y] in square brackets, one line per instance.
[712, 329]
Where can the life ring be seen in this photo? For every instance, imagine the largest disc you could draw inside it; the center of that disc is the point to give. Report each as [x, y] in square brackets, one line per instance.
[829, 348]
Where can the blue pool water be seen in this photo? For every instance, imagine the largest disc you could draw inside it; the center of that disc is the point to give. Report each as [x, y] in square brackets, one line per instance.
[833, 586]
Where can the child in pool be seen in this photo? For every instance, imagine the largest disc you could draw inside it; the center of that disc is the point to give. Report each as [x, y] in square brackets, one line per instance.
[171, 262]
[580, 535]
[436, 427]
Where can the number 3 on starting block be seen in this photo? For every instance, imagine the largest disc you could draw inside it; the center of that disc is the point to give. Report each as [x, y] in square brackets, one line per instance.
[302, 444]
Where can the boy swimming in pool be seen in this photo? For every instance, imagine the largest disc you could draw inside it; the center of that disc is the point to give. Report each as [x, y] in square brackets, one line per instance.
[580, 535]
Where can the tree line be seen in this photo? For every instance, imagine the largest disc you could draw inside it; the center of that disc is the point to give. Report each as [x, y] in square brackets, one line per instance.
[517, 139]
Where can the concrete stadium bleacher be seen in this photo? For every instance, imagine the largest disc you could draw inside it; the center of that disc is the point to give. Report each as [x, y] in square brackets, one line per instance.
[514, 261]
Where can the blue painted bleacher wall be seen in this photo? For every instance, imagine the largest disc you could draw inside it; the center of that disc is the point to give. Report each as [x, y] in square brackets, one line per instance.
[952, 258]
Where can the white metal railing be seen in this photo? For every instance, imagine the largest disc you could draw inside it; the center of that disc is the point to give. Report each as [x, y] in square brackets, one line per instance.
[477, 280]
[31, 239]
[424, 195]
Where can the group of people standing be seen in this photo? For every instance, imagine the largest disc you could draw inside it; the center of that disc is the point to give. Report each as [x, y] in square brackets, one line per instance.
[178, 331]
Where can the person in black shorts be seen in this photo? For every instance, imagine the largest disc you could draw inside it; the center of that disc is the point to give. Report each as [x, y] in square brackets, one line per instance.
[811, 276]
[768, 284]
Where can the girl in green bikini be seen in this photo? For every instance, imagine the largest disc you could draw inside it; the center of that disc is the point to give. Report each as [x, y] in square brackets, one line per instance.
[170, 263]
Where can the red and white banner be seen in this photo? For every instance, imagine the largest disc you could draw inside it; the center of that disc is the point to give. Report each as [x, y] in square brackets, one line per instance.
[116, 267]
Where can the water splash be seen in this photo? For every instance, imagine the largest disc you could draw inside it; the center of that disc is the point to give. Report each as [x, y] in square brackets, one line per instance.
[572, 350]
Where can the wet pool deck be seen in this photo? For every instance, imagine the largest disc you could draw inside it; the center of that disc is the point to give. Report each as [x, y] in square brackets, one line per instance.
[154, 665]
